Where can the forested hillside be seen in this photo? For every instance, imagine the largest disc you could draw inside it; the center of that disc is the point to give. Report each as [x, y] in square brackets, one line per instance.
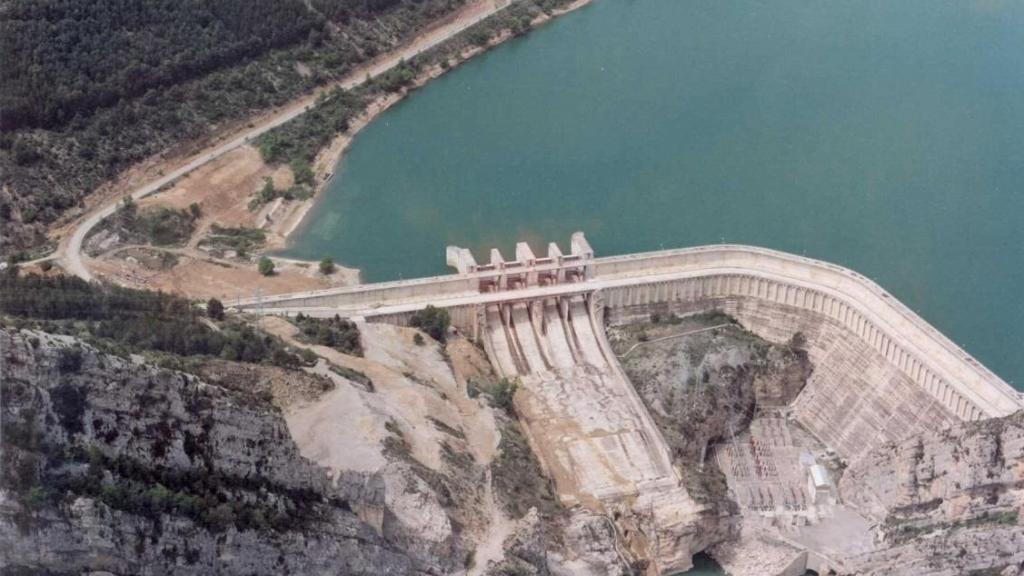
[68, 57]
[90, 87]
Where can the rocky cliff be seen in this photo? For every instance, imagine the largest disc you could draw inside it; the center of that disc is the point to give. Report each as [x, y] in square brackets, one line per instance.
[111, 463]
[703, 377]
[947, 502]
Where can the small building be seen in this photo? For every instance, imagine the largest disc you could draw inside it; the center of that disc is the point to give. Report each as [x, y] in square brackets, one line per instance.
[819, 485]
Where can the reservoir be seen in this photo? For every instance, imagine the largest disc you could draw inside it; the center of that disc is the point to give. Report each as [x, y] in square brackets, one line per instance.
[884, 136]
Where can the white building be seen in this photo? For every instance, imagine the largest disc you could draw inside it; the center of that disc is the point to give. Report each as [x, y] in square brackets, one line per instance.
[819, 485]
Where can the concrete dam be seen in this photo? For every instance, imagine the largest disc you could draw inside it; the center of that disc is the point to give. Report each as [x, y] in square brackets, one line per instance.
[881, 373]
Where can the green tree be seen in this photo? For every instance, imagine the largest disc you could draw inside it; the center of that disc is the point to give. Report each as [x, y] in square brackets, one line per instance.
[504, 392]
[266, 266]
[215, 309]
[302, 171]
[24, 153]
[267, 193]
[221, 517]
[195, 210]
[432, 320]
[127, 211]
[327, 266]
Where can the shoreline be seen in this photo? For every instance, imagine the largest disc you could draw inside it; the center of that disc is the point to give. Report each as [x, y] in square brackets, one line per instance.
[150, 176]
[325, 165]
[443, 45]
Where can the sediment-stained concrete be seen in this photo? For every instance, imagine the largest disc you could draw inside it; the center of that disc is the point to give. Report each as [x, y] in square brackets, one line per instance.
[588, 426]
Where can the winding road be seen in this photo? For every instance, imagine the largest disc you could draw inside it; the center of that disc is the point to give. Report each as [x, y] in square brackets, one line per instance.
[70, 251]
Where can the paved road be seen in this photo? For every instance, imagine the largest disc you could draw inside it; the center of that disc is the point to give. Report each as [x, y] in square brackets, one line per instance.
[72, 257]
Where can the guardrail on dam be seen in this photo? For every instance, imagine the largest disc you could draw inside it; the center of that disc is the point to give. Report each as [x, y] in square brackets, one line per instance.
[718, 272]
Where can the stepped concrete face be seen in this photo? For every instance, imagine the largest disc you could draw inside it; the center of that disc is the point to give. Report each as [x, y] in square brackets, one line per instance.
[881, 372]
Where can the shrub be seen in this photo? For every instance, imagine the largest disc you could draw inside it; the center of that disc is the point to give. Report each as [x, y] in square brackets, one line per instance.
[327, 266]
[418, 340]
[503, 394]
[163, 226]
[266, 266]
[69, 403]
[221, 517]
[480, 37]
[267, 193]
[337, 333]
[69, 360]
[215, 309]
[239, 239]
[798, 341]
[432, 320]
[302, 171]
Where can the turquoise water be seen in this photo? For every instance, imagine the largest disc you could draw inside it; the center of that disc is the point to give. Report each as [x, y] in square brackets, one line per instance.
[885, 136]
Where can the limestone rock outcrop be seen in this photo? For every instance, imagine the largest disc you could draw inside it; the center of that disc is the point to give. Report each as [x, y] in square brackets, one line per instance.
[114, 464]
[947, 502]
[701, 377]
[704, 387]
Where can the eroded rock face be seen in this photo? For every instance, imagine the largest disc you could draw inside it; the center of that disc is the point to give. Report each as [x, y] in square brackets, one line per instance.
[115, 464]
[704, 386]
[701, 377]
[948, 502]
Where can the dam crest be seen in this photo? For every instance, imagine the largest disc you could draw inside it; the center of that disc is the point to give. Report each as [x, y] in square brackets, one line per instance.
[689, 278]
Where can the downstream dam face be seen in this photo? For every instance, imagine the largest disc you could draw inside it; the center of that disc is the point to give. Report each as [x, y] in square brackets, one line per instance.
[881, 373]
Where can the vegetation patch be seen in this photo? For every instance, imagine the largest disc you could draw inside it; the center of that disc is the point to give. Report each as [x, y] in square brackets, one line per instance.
[498, 393]
[122, 320]
[454, 432]
[300, 191]
[130, 86]
[299, 140]
[336, 332]
[158, 226]
[432, 320]
[901, 530]
[242, 240]
[519, 481]
[353, 375]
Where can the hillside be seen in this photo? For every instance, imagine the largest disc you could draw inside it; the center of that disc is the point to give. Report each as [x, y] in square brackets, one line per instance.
[89, 89]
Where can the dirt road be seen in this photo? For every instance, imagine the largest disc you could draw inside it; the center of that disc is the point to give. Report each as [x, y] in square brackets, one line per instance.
[70, 250]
